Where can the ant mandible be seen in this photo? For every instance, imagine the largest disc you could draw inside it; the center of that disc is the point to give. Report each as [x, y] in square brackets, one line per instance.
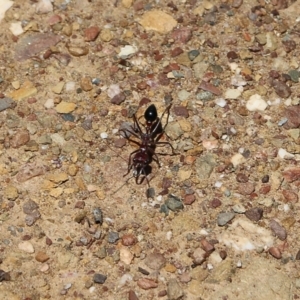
[140, 159]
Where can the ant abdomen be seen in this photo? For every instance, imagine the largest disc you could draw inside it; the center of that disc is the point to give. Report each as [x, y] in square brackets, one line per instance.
[151, 113]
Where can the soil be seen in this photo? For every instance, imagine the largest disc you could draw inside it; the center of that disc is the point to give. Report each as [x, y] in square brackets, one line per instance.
[216, 217]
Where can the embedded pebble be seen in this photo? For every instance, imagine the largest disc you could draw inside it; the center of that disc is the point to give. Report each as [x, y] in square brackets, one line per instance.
[275, 252]
[155, 261]
[278, 230]
[99, 278]
[91, 33]
[221, 102]
[6, 103]
[26, 246]
[174, 290]
[224, 218]
[254, 214]
[256, 103]
[232, 94]
[44, 6]
[127, 51]
[125, 255]
[146, 283]
[65, 107]
[174, 203]
[113, 237]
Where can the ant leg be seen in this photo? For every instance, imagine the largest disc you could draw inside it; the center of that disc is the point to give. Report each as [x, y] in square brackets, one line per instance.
[131, 132]
[130, 165]
[159, 122]
[155, 158]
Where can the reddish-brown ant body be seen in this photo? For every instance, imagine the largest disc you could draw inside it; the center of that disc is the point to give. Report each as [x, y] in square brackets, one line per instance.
[140, 159]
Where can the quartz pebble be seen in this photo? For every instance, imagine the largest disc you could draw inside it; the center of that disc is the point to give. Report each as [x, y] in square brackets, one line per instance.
[26, 246]
[256, 103]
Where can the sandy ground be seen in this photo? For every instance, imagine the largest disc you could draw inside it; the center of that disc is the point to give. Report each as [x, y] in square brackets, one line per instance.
[220, 219]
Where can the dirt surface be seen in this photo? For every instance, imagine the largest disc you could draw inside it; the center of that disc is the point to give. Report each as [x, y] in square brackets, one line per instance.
[220, 219]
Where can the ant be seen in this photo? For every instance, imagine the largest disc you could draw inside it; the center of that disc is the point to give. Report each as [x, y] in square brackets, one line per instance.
[140, 159]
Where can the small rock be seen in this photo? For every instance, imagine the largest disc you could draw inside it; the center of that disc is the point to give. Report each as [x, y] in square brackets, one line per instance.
[146, 284]
[26, 246]
[155, 261]
[182, 35]
[176, 51]
[118, 99]
[232, 94]
[224, 218]
[290, 196]
[30, 206]
[44, 6]
[127, 51]
[126, 256]
[254, 214]
[278, 230]
[41, 257]
[256, 103]
[206, 86]
[174, 290]
[246, 188]
[99, 278]
[77, 50]
[86, 84]
[20, 138]
[128, 239]
[113, 237]
[174, 203]
[11, 193]
[106, 35]
[193, 54]
[291, 174]
[29, 171]
[91, 33]
[158, 21]
[98, 216]
[6, 103]
[132, 295]
[189, 199]
[281, 88]
[293, 116]
[275, 252]
[65, 107]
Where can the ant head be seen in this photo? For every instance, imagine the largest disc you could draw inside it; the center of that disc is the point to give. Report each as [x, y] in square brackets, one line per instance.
[151, 113]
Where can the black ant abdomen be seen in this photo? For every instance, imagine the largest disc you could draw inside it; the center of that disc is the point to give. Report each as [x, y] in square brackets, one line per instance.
[151, 114]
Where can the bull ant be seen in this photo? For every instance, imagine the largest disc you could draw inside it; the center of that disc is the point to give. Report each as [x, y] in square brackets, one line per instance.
[139, 160]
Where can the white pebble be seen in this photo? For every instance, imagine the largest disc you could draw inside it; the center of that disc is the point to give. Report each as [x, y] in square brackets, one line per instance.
[239, 264]
[221, 102]
[126, 256]
[218, 184]
[44, 7]
[70, 86]
[5, 5]
[113, 90]
[282, 153]
[16, 28]
[237, 159]
[104, 135]
[238, 80]
[232, 94]
[127, 51]
[210, 266]
[169, 235]
[233, 66]
[255, 103]
[125, 278]
[26, 247]
[114, 131]
[159, 198]
[49, 103]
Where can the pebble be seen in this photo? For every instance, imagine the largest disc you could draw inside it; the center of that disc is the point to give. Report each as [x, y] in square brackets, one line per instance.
[254, 214]
[98, 215]
[291, 174]
[49, 103]
[294, 74]
[128, 239]
[11, 193]
[16, 28]
[146, 284]
[125, 255]
[282, 121]
[224, 218]
[232, 94]
[221, 102]
[33, 44]
[283, 154]
[206, 86]
[174, 203]
[20, 138]
[189, 199]
[106, 35]
[127, 51]
[278, 230]
[205, 166]
[91, 33]
[293, 115]
[155, 261]
[275, 252]
[41, 257]
[44, 6]
[113, 237]
[86, 84]
[77, 51]
[290, 196]
[256, 103]
[182, 35]
[157, 20]
[99, 278]
[65, 107]
[174, 290]
[6, 103]
[26, 246]
[183, 95]
[281, 88]
[118, 99]
[199, 69]
[246, 188]
[193, 54]
[27, 90]
[131, 294]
